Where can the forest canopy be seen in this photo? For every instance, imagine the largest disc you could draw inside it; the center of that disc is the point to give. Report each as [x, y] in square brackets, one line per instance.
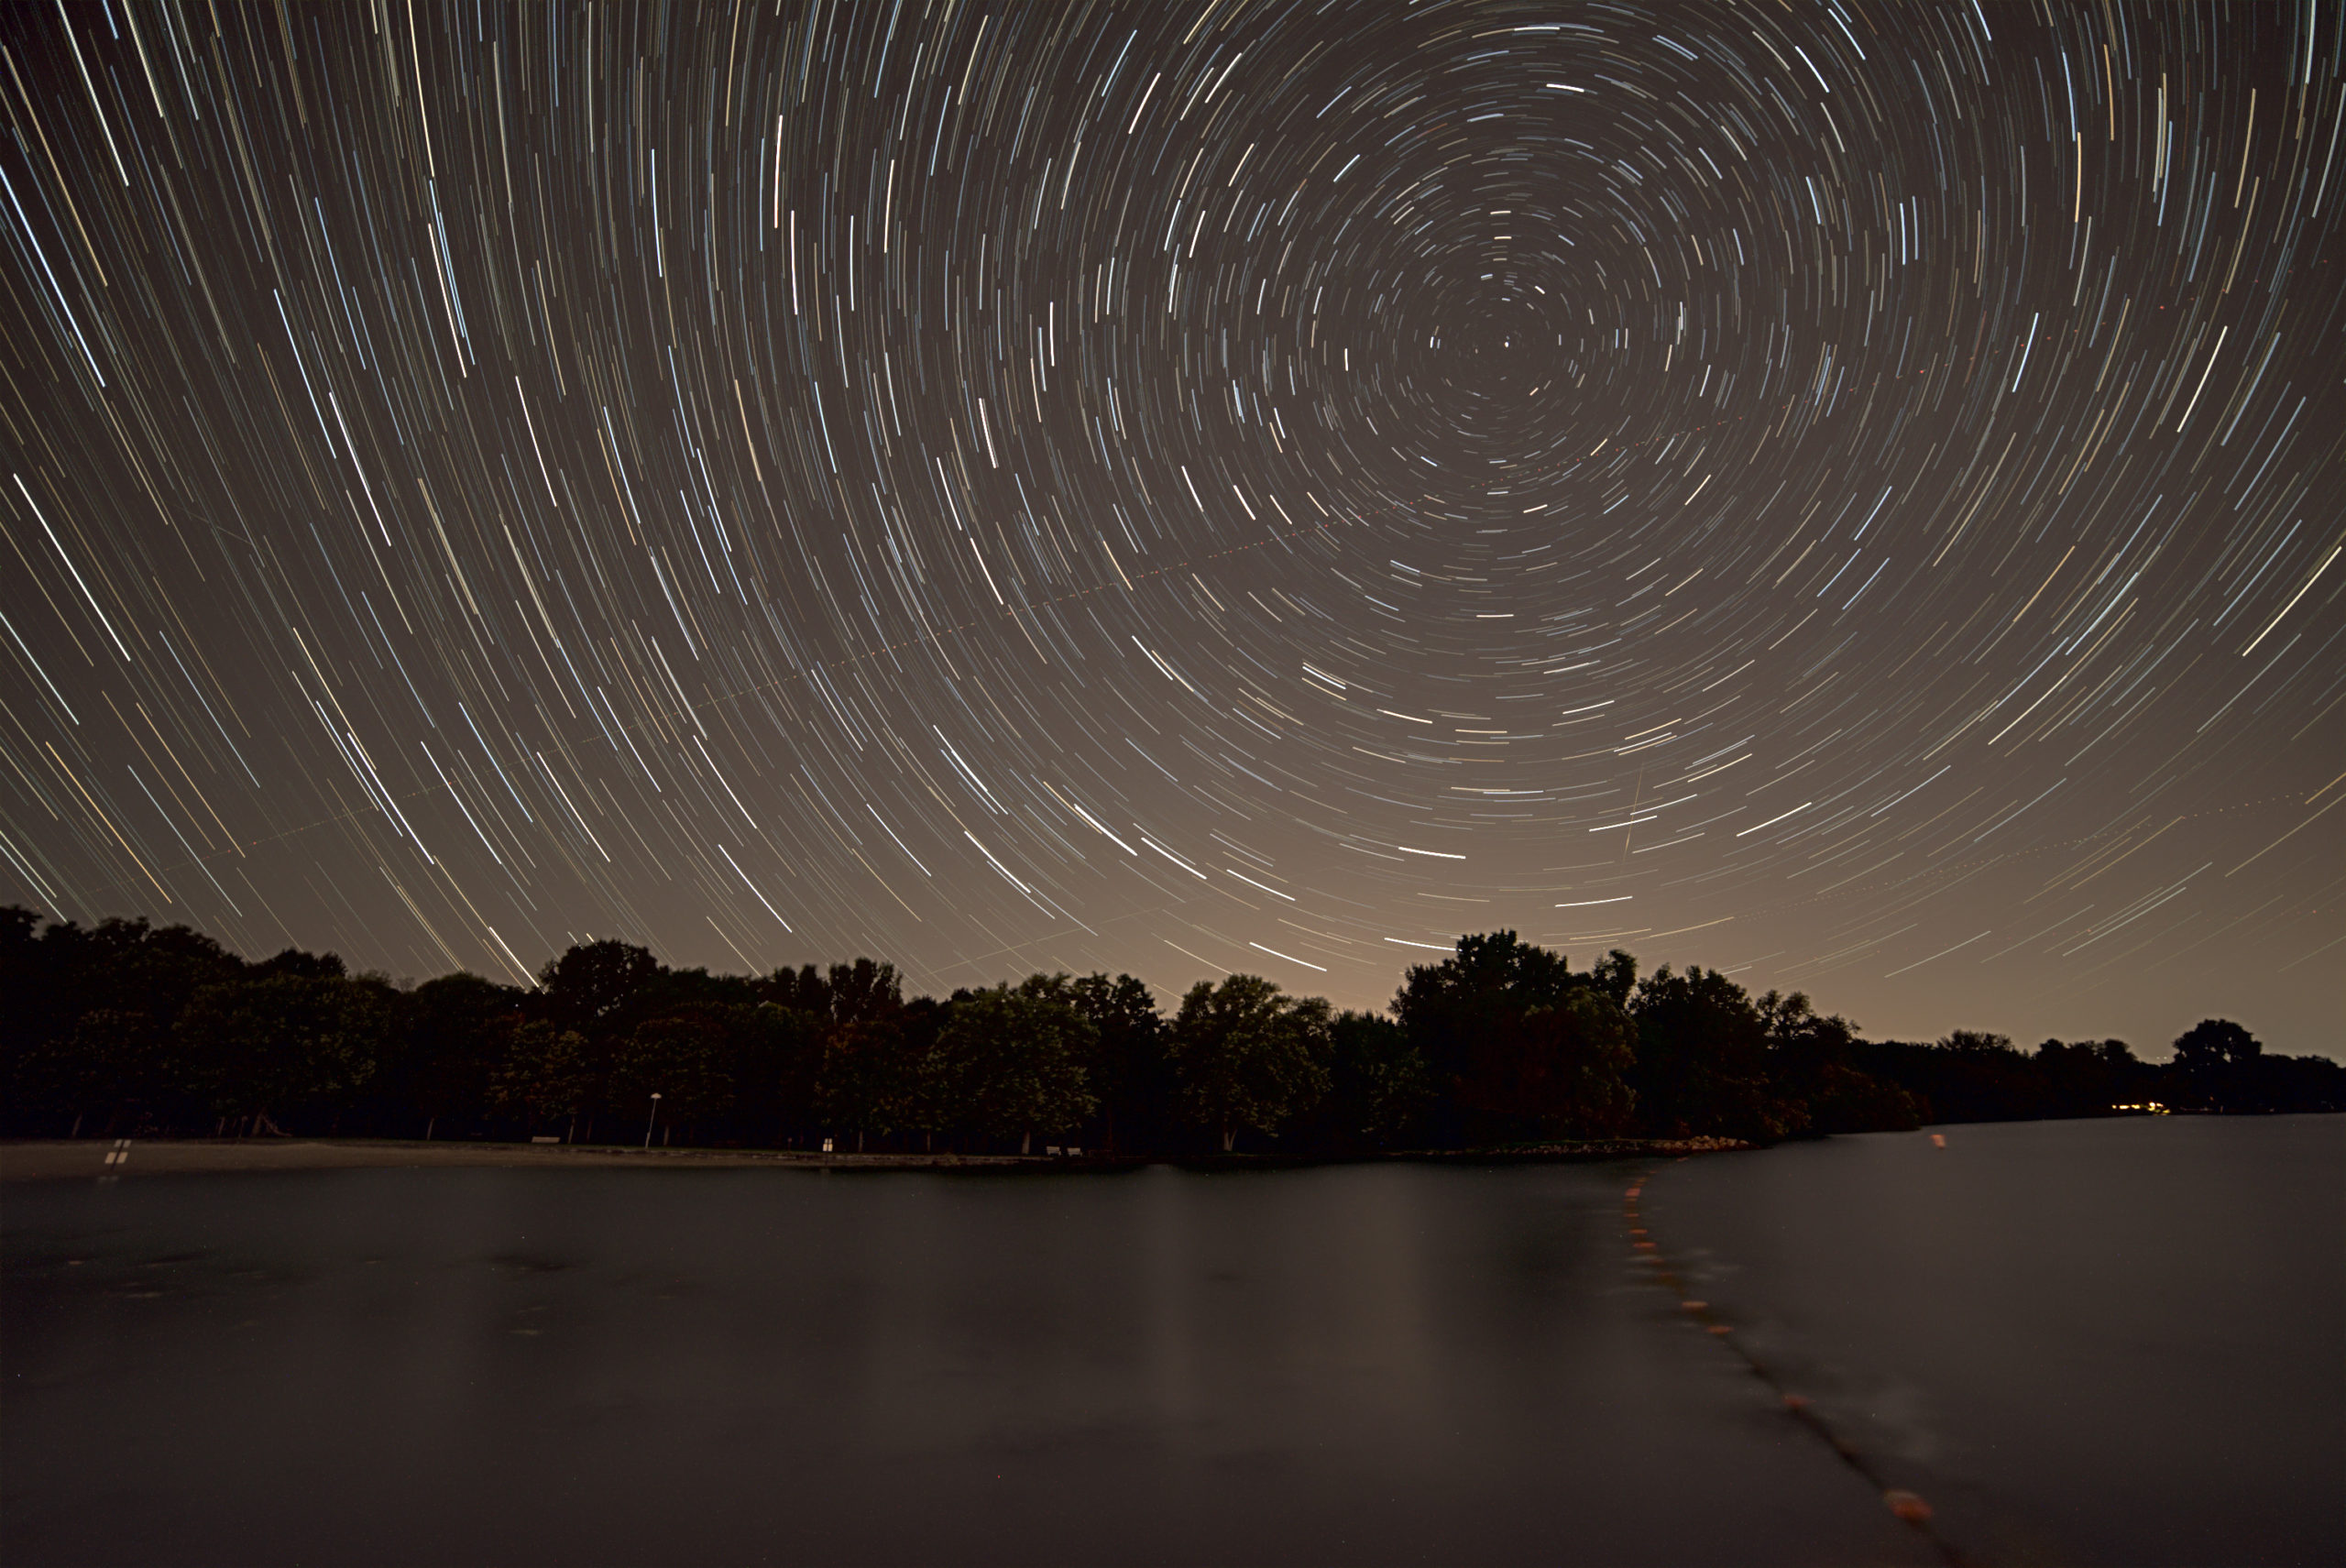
[124, 1027]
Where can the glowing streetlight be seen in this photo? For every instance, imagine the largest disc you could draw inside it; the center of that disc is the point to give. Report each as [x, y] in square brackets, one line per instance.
[655, 1117]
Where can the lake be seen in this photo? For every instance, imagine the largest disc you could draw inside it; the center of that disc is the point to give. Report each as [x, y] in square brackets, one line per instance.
[2098, 1342]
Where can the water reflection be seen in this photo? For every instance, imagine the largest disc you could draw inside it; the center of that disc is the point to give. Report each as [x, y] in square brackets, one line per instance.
[1361, 1365]
[2099, 1342]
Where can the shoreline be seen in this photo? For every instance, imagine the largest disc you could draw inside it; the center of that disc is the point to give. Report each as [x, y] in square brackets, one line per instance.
[53, 1159]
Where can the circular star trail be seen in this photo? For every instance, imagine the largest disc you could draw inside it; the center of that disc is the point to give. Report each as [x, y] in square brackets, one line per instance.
[1847, 494]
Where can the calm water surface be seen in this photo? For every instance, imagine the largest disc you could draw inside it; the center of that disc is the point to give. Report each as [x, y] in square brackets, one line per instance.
[2113, 1341]
[2118, 1341]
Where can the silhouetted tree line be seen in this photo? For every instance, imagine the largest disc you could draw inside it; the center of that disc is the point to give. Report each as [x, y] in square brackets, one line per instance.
[125, 1028]
[2217, 1066]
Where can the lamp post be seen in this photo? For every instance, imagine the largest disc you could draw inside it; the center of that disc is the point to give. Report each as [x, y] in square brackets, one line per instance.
[655, 1117]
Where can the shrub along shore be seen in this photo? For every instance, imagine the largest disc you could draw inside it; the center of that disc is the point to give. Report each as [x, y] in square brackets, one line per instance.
[1500, 1050]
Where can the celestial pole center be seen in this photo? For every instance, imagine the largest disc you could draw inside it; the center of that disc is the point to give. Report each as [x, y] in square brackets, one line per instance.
[1848, 495]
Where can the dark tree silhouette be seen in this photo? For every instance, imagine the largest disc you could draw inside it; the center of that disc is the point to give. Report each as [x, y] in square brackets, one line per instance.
[1129, 1073]
[1812, 1077]
[2216, 1061]
[681, 1057]
[1703, 1057]
[448, 1043]
[1379, 1088]
[124, 1026]
[869, 1083]
[110, 1057]
[547, 1076]
[2213, 1044]
[2091, 1078]
[862, 991]
[590, 985]
[120, 1068]
[1556, 1071]
[1468, 1017]
[283, 1041]
[1011, 1061]
[301, 965]
[1248, 1055]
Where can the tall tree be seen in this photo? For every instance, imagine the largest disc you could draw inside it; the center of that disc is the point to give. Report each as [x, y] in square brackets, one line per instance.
[28, 980]
[154, 971]
[1812, 1080]
[2090, 1078]
[276, 1044]
[868, 1079]
[592, 984]
[759, 1047]
[1379, 1086]
[301, 965]
[1248, 1055]
[1702, 1064]
[1616, 975]
[1555, 1070]
[793, 1044]
[109, 1059]
[868, 1082]
[1011, 1061]
[2217, 1060]
[682, 1058]
[1128, 1070]
[863, 989]
[547, 1075]
[1517, 1045]
[448, 1042]
[53, 979]
[2214, 1043]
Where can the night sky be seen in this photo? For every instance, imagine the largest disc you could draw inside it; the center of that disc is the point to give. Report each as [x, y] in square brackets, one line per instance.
[1846, 494]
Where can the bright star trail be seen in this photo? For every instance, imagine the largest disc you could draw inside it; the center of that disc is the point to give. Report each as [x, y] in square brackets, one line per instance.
[1847, 494]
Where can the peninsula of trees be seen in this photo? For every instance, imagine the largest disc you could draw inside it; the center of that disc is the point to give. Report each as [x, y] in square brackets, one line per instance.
[124, 1028]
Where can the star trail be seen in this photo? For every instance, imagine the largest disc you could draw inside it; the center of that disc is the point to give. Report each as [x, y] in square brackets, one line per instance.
[1847, 493]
